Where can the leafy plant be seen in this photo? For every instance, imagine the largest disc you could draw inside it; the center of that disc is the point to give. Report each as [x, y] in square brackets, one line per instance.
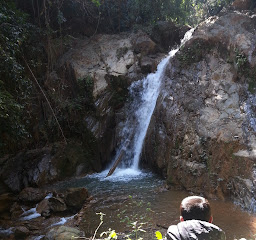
[136, 229]
[111, 234]
[241, 61]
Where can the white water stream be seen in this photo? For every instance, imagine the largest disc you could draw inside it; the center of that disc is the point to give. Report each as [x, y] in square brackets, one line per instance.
[144, 93]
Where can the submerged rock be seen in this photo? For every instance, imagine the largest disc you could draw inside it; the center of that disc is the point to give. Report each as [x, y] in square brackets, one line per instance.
[76, 197]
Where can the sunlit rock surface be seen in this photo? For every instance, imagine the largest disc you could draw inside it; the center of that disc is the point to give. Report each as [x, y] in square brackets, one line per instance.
[202, 134]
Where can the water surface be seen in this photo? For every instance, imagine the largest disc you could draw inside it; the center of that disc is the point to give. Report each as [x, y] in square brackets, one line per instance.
[131, 195]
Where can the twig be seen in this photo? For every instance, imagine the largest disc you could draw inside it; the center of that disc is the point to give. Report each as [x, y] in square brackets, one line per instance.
[97, 25]
[65, 141]
[159, 225]
[97, 230]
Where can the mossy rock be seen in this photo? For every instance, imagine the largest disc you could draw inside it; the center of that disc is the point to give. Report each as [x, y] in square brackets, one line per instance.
[194, 52]
[68, 157]
[63, 233]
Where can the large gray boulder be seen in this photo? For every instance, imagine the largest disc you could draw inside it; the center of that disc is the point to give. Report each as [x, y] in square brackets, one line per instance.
[202, 135]
[63, 233]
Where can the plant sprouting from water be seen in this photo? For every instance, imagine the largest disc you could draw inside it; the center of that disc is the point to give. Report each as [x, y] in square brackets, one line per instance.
[136, 229]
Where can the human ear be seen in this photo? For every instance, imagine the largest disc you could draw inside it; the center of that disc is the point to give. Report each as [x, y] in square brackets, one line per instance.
[181, 219]
[211, 219]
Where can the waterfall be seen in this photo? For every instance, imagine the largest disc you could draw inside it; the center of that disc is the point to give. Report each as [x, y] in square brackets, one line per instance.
[144, 94]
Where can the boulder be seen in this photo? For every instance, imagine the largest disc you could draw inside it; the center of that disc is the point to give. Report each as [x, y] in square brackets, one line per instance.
[76, 197]
[147, 64]
[62, 233]
[57, 204]
[21, 232]
[41, 166]
[28, 168]
[143, 44]
[30, 194]
[44, 208]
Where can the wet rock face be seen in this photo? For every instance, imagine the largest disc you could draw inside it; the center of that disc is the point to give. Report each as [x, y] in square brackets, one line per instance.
[109, 64]
[31, 168]
[202, 134]
[38, 167]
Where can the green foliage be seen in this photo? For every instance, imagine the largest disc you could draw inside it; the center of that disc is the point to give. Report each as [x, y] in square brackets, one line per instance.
[123, 14]
[244, 69]
[119, 87]
[96, 2]
[85, 92]
[241, 61]
[194, 52]
[121, 52]
[16, 40]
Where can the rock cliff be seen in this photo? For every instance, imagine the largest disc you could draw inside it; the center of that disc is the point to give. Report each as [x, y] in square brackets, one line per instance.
[202, 135]
[89, 87]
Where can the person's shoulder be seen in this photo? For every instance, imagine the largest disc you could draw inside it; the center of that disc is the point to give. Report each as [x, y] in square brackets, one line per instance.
[213, 230]
[172, 232]
[201, 229]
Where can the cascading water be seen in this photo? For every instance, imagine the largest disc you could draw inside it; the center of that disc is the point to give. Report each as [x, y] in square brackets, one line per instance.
[144, 93]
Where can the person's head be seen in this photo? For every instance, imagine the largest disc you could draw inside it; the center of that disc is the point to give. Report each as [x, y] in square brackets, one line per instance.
[195, 207]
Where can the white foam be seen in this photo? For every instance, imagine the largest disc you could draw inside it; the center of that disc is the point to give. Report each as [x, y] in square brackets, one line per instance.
[120, 174]
[48, 196]
[62, 221]
[6, 231]
[30, 214]
[38, 237]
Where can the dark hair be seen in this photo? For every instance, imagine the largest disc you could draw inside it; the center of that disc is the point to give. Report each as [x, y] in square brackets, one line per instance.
[195, 207]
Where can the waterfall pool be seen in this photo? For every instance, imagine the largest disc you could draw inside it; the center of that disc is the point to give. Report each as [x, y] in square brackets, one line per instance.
[131, 195]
